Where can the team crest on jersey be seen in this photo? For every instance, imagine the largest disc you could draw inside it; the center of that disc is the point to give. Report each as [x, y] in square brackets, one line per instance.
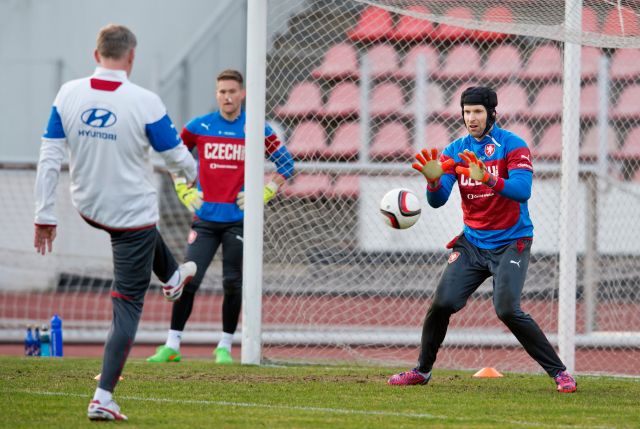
[192, 237]
[490, 149]
[453, 257]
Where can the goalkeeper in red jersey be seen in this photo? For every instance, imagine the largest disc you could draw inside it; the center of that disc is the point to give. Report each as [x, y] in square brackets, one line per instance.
[493, 169]
[220, 140]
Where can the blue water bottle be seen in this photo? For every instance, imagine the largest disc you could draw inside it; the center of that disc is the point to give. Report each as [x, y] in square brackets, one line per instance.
[56, 336]
[45, 342]
[28, 342]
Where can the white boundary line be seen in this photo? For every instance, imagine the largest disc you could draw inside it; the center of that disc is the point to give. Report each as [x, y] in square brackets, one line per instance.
[344, 411]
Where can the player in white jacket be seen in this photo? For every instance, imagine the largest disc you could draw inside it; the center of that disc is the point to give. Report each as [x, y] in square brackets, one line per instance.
[108, 126]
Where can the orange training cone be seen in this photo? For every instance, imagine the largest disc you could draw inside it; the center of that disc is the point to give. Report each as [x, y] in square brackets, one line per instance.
[97, 377]
[488, 373]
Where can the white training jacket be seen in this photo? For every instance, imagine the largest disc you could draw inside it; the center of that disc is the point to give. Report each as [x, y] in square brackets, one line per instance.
[109, 126]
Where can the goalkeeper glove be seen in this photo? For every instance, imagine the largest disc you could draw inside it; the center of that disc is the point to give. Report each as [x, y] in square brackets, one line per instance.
[268, 193]
[189, 196]
[430, 167]
[477, 170]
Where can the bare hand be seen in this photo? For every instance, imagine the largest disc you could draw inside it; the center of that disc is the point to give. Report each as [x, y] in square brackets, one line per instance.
[43, 238]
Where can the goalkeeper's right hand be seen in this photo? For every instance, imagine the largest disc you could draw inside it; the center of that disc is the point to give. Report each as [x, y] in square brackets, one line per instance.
[430, 167]
[189, 196]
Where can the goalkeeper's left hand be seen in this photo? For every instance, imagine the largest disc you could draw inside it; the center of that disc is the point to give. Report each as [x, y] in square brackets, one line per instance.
[268, 193]
[477, 170]
[188, 195]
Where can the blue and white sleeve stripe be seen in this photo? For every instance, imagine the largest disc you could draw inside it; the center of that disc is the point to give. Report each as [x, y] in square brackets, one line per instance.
[54, 128]
[162, 134]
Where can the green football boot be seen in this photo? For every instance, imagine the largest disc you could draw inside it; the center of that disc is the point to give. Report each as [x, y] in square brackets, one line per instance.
[165, 354]
[223, 356]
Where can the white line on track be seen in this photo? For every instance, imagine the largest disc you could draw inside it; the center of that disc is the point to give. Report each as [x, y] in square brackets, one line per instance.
[299, 408]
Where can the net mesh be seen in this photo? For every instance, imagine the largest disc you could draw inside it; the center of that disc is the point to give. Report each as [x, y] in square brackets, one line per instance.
[355, 88]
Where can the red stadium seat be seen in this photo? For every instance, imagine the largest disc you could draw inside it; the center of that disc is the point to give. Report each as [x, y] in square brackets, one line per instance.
[434, 101]
[590, 144]
[628, 106]
[545, 62]
[621, 21]
[409, 65]
[345, 144]
[308, 140]
[631, 148]
[308, 186]
[590, 22]
[461, 62]
[625, 64]
[522, 130]
[386, 99]
[453, 33]
[436, 136]
[513, 101]
[547, 103]
[391, 143]
[499, 14]
[589, 102]
[340, 62]
[383, 61]
[503, 62]
[412, 29]
[346, 187]
[550, 145]
[344, 100]
[304, 99]
[590, 62]
[374, 24]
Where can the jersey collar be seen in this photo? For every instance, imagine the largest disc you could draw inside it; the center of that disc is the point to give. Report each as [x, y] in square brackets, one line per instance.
[109, 74]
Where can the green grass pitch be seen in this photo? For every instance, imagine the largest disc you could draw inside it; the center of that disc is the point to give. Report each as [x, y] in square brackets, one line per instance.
[194, 394]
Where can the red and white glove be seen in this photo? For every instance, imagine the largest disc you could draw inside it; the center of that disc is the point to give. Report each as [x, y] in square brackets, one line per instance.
[476, 170]
[430, 167]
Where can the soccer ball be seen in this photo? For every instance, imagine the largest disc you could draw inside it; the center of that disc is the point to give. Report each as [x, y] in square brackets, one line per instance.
[400, 208]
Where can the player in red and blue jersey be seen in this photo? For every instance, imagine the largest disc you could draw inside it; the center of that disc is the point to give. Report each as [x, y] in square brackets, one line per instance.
[493, 169]
[219, 138]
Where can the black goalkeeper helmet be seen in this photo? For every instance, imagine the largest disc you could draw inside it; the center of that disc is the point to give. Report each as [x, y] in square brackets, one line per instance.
[484, 96]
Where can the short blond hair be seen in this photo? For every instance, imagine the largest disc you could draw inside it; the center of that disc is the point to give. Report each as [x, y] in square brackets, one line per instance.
[231, 74]
[115, 41]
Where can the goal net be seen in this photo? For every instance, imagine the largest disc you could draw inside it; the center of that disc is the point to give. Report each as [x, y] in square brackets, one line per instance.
[354, 89]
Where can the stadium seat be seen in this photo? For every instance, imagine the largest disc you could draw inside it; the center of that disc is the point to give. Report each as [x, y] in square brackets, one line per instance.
[550, 146]
[590, 22]
[630, 150]
[391, 143]
[308, 140]
[345, 144]
[306, 185]
[547, 103]
[344, 100]
[627, 106]
[621, 22]
[513, 101]
[409, 65]
[304, 99]
[347, 186]
[373, 25]
[461, 62]
[545, 62]
[386, 99]
[522, 130]
[589, 146]
[340, 62]
[590, 60]
[499, 14]
[589, 101]
[436, 136]
[412, 29]
[503, 62]
[383, 61]
[434, 101]
[453, 33]
[625, 64]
